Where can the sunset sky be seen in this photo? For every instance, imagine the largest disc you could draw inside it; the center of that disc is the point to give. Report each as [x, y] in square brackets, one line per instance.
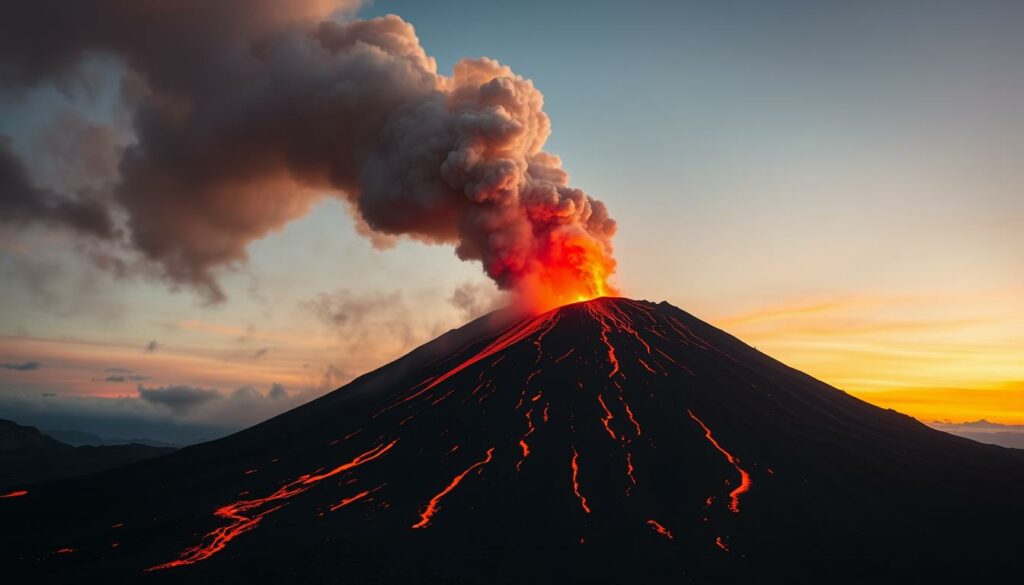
[841, 188]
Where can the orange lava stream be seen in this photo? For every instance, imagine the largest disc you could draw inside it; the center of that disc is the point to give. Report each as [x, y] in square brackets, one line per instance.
[514, 335]
[576, 482]
[622, 320]
[669, 358]
[565, 355]
[605, 330]
[660, 529]
[744, 487]
[607, 418]
[629, 413]
[432, 505]
[646, 367]
[522, 441]
[246, 514]
[721, 543]
[630, 469]
[15, 494]
[348, 501]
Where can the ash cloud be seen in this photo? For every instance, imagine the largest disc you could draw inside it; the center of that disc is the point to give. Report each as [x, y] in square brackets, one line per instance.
[117, 378]
[473, 299]
[178, 399]
[21, 366]
[21, 203]
[292, 101]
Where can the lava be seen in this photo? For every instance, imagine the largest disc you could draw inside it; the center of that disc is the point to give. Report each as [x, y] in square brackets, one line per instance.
[744, 487]
[354, 498]
[576, 481]
[15, 494]
[432, 506]
[247, 514]
[526, 452]
[646, 366]
[522, 442]
[605, 330]
[629, 413]
[517, 333]
[630, 470]
[607, 418]
[669, 358]
[660, 529]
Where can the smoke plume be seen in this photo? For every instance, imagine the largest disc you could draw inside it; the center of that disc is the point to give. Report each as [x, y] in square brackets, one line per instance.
[245, 112]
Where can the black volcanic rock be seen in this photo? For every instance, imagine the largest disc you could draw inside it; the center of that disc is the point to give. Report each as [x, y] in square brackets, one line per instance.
[610, 441]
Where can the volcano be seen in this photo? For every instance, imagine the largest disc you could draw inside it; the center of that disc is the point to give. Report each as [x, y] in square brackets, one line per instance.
[610, 440]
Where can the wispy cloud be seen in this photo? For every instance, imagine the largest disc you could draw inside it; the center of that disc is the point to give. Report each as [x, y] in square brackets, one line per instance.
[21, 366]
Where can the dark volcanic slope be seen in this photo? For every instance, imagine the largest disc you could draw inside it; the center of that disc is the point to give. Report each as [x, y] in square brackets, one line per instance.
[613, 440]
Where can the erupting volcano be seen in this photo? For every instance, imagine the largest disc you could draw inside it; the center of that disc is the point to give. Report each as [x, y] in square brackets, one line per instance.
[609, 440]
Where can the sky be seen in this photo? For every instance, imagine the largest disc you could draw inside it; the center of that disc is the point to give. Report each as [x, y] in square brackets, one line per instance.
[840, 185]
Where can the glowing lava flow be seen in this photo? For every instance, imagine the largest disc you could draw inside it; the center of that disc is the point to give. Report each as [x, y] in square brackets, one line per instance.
[522, 441]
[605, 330]
[607, 418]
[432, 505]
[15, 494]
[629, 413]
[744, 487]
[246, 514]
[659, 529]
[354, 498]
[576, 481]
[514, 335]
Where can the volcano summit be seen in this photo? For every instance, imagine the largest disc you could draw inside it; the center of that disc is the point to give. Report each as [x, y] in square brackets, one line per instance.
[610, 440]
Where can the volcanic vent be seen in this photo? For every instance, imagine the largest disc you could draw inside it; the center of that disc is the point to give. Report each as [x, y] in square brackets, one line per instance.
[605, 440]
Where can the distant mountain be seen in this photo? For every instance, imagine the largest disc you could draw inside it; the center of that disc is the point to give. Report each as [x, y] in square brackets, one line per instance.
[610, 441]
[984, 431]
[28, 456]
[81, 438]
[16, 438]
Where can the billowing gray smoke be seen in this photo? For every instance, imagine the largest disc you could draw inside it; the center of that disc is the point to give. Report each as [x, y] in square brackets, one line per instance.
[245, 112]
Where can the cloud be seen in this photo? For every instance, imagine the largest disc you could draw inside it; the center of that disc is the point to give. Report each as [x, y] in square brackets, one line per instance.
[151, 347]
[294, 102]
[344, 309]
[124, 417]
[333, 376]
[22, 366]
[382, 321]
[179, 399]
[474, 299]
[174, 413]
[261, 352]
[21, 203]
[278, 392]
[125, 378]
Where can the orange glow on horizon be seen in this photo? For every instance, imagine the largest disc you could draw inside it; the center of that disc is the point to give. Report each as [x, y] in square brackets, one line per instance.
[937, 357]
